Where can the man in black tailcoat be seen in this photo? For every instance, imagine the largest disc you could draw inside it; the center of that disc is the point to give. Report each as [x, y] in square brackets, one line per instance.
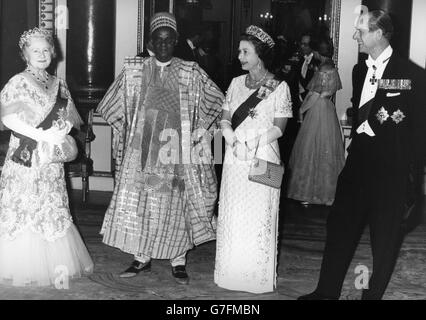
[388, 148]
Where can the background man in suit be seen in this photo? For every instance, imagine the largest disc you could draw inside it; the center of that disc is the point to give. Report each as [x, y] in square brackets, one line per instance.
[308, 63]
[388, 144]
[188, 47]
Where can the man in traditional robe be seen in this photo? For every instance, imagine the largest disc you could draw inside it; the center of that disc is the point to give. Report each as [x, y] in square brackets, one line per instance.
[163, 110]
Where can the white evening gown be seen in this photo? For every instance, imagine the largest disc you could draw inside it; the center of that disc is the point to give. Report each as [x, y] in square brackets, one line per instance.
[39, 244]
[246, 247]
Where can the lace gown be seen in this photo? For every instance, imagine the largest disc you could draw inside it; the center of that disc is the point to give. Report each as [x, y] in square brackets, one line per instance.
[246, 252]
[318, 155]
[38, 240]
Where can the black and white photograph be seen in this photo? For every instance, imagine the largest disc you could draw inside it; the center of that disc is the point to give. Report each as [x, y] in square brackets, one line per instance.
[225, 152]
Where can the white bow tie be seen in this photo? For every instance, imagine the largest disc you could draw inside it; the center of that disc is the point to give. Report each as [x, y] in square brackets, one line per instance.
[370, 62]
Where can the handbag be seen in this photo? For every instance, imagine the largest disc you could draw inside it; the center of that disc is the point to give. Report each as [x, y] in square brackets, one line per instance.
[265, 172]
[57, 153]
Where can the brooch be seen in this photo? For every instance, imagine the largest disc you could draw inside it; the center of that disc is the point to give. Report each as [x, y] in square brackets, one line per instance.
[382, 115]
[25, 155]
[398, 116]
[252, 113]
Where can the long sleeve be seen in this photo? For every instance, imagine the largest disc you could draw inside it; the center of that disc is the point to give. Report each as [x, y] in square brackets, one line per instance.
[211, 101]
[112, 109]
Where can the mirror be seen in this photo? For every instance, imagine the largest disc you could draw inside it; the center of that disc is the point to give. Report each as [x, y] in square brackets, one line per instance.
[282, 9]
[290, 19]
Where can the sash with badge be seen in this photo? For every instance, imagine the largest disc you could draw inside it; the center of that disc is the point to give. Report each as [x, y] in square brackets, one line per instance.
[261, 171]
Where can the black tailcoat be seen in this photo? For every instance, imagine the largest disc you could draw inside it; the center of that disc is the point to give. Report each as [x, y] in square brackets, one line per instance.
[374, 186]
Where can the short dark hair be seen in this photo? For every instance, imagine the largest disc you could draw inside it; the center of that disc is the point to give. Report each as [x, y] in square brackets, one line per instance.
[380, 19]
[265, 52]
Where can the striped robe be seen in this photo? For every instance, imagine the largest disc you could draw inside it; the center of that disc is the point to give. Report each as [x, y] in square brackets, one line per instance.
[142, 222]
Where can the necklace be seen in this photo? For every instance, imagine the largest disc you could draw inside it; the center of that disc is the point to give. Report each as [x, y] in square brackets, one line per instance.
[43, 82]
[251, 84]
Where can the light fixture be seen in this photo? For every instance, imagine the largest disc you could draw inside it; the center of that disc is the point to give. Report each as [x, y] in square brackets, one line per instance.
[266, 16]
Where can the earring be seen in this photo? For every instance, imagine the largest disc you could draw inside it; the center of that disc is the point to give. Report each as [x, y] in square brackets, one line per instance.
[258, 66]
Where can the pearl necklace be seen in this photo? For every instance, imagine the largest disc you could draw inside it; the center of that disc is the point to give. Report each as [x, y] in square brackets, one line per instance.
[41, 81]
[252, 84]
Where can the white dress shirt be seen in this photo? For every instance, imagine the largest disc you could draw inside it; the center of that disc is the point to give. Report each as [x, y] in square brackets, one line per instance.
[190, 44]
[162, 65]
[369, 89]
[308, 59]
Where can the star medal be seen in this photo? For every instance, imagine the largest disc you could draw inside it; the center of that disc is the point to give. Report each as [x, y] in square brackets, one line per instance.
[398, 116]
[382, 115]
[252, 113]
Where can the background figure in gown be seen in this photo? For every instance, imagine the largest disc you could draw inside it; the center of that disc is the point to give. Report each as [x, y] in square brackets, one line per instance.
[37, 236]
[246, 247]
[318, 154]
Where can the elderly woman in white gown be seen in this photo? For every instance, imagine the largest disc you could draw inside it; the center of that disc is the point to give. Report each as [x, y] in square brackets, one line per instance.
[38, 241]
[254, 116]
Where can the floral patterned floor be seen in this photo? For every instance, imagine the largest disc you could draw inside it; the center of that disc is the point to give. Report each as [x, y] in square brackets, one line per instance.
[300, 255]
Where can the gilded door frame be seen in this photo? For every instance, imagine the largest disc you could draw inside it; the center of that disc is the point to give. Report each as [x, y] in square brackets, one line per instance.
[141, 20]
[336, 9]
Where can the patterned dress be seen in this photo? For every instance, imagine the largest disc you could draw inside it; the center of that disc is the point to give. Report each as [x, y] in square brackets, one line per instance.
[246, 252]
[163, 198]
[318, 155]
[37, 236]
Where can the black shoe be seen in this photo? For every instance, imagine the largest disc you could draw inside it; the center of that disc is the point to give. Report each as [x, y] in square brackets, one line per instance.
[315, 296]
[180, 275]
[305, 204]
[135, 268]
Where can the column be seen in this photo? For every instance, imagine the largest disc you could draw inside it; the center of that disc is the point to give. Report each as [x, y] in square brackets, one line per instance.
[90, 50]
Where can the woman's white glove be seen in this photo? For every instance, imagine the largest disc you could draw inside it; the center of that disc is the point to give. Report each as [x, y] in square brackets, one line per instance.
[266, 138]
[68, 126]
[241, 152]
[228, 134]
[52, 135]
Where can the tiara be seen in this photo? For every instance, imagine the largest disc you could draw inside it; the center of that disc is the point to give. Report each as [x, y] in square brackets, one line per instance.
[261, 35]
[35, 32]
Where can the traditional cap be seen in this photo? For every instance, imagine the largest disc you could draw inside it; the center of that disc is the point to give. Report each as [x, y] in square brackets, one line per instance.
[261, 35]
[34, 33]
[163, 19]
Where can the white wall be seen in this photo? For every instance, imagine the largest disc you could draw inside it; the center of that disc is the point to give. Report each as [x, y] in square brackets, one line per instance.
[348, 55]
[126, 31]
[418, 33]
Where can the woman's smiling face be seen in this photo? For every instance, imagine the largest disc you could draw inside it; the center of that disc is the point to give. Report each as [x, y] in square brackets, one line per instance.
[247, 55]
[38, 53]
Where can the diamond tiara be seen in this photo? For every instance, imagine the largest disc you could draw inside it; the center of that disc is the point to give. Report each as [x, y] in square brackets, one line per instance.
[261, 35]
[35, 32]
